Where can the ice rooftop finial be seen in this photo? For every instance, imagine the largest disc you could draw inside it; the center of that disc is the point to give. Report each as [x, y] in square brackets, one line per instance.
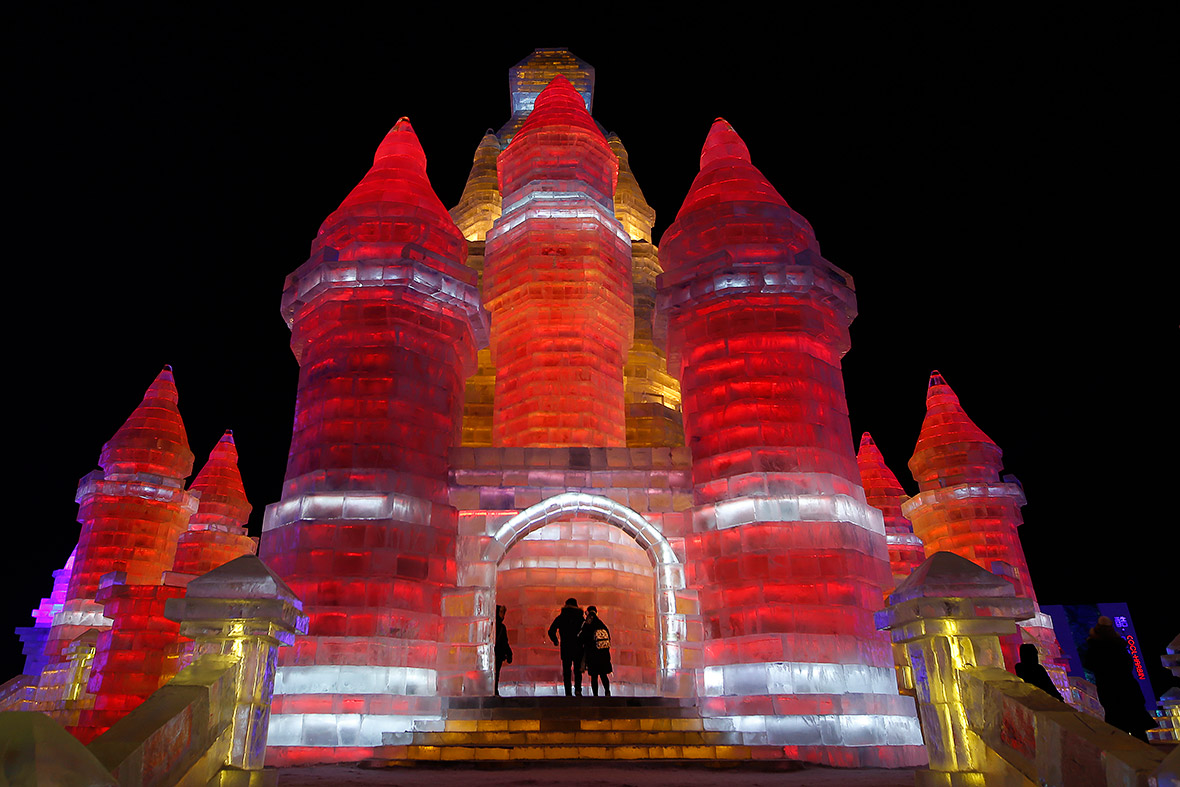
[152, 439]
[722, 143]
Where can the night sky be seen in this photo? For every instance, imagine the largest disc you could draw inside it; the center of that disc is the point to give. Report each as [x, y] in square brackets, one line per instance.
[995, 185]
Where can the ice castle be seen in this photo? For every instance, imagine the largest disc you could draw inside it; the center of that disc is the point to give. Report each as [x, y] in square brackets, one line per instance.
[522, 399]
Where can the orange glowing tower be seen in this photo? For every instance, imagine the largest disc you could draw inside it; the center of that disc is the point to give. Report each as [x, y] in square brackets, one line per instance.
[884, 493]
[558, 282]
[385, 321]
[964, 507]
[790, 560]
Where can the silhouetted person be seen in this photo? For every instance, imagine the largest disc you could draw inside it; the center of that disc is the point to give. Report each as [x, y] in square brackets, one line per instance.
[1114, 675]
[1030, 670]
[568, 623]
[503, 649]
[595, 638]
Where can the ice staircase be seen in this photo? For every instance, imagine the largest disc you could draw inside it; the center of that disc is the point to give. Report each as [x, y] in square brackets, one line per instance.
[515, 729]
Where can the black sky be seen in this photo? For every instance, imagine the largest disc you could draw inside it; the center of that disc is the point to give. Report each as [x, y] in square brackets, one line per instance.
[996, 185]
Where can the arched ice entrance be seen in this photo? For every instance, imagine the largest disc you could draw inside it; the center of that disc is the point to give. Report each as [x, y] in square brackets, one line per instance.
[674, 603]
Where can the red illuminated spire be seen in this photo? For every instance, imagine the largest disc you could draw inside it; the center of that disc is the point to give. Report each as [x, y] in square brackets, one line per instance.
[219, 484]
[726, 187]
[152, 440]
[884, 492]
[951, 449]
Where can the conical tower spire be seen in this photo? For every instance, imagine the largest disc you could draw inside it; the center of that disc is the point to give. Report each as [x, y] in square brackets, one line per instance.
[152, 440]
[219, 485]
[951, 449]
[480, 205]
[884, 492]
[729, 180]
[631, 207]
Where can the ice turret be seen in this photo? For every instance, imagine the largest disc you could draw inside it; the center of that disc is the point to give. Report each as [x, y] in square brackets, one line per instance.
[790, 559]
[963, 507]
[134, 510]
[217, 532]
[479, 207]
[951, 448]
[558, 282]
[385, 321]
[883, 492]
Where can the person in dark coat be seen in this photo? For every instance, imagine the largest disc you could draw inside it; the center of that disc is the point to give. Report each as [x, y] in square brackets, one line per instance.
[595, 638]
[503, 649]
[1030, 670]
[569, 623]
[1114, 674]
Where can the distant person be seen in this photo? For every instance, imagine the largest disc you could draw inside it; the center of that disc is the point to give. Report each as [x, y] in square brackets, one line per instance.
[1030, 670]
[595, 638]
[503, 649]
[1114, 674]
[569, 623]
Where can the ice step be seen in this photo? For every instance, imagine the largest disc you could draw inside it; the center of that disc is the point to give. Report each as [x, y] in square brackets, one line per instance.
[580, 738]
[394, 755]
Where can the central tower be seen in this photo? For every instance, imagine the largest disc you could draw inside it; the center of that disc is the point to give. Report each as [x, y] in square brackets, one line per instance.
[558, 282]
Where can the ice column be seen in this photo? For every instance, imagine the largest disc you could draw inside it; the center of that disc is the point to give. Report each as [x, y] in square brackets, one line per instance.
[558, 282]
[385, 321]
[963, 507]
[789, 559]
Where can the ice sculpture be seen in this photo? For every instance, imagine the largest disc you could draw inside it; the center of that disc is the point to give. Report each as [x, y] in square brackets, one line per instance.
[963, 507]
[33, 638]
[884, 493]
[558, 282]
[385, 320]
[790, 560]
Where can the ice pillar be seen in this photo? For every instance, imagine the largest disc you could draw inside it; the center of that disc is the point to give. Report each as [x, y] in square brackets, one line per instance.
[558, 282]
[789, 559]
[385, 320]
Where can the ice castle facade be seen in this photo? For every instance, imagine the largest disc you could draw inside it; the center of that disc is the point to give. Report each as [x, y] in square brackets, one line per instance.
[522, 399]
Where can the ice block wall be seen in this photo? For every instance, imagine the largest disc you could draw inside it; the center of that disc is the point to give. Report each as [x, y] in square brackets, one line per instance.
[789, 558]
[385, 321]
[558, 282]
[33, 638]
[884, 493]
[963, 507]
[652, 395]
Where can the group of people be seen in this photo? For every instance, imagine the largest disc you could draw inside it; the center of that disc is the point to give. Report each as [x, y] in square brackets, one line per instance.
[1105, 656]
[584, 641]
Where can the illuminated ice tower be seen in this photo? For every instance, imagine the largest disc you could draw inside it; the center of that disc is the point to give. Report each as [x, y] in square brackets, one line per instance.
[557, 281]
[789, 558]
[385, 321]
[964, 507]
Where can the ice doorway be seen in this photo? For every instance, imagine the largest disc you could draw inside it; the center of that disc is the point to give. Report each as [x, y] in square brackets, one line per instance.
[602, 553]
